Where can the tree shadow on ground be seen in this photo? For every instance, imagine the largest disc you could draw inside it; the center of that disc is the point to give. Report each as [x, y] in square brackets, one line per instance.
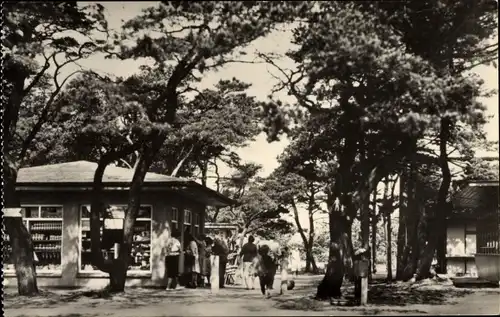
[390, 297]
[131, 298]
[402, 295]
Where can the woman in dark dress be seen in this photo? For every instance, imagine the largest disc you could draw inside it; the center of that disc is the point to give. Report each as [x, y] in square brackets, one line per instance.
[192, 261]
[208, 252]
[172, 259]
[202, 250]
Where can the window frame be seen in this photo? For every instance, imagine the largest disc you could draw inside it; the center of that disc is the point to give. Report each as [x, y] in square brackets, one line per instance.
[80, 239]
[175, 211]
[26, 222]
[197, 223]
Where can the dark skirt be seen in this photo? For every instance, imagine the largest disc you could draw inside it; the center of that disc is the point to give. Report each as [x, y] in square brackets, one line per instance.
[172, 264]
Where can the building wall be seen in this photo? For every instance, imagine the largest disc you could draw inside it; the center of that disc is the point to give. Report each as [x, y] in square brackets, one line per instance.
[488, 266]
[72, 202]
[460, 248]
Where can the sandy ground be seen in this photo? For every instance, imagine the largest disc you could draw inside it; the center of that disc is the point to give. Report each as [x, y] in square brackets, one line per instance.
[395, 299]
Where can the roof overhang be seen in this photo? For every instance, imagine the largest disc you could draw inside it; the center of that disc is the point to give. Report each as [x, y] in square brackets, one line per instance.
[477, 194]
[187, 188]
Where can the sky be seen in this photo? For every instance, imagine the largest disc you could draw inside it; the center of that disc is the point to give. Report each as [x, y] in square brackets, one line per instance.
[259, 151]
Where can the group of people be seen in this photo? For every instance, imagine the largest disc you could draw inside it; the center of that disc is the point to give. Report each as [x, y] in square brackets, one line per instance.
[256, 261]
[197, 252]
[263, 262]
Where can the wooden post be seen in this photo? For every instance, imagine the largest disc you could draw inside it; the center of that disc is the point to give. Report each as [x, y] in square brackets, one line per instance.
[361, 270]
[364, 291]
[214, 273]
[117, 250]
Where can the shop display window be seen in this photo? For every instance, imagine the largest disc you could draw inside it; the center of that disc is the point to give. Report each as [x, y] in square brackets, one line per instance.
[111, 235]
[44, 223]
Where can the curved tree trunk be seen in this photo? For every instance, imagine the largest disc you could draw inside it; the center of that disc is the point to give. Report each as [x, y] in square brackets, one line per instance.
[118, 275]
[314, 267]
[311, 266]
[116, 268]
[440, 212]
[307, 243]
[19, 237]
[340, 258]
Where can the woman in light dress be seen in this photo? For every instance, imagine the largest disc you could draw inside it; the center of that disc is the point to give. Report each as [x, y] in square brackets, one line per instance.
[295, 261]
[192, 260]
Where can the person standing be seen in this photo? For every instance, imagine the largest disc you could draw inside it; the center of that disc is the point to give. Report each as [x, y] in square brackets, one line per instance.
[173, 250]
[295, 261]
[208, 252]
[220, 248]
[248, 254]
[202, 251]
[265, 268]
[192, 261]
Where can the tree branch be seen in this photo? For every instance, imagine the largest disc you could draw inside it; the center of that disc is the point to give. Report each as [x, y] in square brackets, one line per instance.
[42, 119]
[181, 162]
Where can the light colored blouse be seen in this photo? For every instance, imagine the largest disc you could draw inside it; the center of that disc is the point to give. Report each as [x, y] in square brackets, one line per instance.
[173, 246]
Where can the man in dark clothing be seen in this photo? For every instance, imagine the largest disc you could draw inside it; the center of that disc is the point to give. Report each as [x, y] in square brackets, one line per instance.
[220, 248]
[265, 268]
[248, 254]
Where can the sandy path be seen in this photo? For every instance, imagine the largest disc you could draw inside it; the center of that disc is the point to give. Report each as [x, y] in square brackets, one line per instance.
[239, 302]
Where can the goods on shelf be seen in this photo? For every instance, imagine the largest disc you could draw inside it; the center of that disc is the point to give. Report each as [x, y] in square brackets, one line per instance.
[140, 253]
[44, 225]
[36, 237]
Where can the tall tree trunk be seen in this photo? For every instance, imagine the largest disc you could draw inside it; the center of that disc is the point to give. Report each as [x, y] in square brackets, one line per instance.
[389, 248]
[305, 241]
[402, 237]
[374, 233]
[440, 212]
[118, 275]
[19, 237]
[386, 211]
[412, 251]
[116, 268]
[365, 228]
[341, 253]
[313, 267]
[312, 233]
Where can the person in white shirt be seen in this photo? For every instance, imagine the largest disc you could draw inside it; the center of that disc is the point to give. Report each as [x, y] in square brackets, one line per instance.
[172, 259]
[295, 261]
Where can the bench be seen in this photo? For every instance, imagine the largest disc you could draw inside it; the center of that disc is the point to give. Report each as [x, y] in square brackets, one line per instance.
[230, 273]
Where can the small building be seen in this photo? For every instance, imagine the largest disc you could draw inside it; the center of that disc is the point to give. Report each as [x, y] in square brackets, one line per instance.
[55, 201]
[461, 243]
[473, 241]
[227, 230]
